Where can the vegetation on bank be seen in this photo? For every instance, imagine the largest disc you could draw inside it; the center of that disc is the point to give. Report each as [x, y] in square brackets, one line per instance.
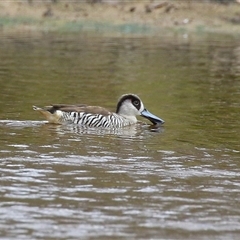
[126, 16]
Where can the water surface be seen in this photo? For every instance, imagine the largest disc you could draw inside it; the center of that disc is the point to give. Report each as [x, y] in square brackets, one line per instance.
[68, 182]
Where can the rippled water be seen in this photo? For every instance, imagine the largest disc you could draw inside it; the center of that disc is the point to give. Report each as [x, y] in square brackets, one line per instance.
[68, 182]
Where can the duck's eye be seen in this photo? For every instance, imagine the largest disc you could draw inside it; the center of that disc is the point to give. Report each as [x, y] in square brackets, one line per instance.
[136, 103]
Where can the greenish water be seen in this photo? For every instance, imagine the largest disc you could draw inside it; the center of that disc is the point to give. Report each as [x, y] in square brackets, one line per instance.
[68, 182]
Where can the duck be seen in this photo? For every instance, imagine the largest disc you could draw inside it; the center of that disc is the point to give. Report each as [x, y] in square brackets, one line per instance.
[129, 106]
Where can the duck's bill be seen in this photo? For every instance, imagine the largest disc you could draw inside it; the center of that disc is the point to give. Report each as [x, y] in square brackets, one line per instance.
[154, 119]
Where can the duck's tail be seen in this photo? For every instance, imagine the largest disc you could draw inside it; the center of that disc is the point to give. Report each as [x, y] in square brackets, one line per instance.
[51, 117]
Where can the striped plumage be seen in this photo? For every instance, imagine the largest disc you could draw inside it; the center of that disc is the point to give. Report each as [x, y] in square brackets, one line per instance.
[95, 120]
[129, 106]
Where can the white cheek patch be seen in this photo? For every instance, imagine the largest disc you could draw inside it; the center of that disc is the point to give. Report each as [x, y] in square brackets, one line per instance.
[126, 107]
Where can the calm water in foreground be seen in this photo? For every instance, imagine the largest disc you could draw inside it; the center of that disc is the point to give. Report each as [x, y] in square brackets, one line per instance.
[67, 182]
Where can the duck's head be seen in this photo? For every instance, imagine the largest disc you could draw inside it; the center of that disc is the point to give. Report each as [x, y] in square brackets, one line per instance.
[130, 106]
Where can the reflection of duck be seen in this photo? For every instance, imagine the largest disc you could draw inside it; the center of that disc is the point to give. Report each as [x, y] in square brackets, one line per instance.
[129, 106]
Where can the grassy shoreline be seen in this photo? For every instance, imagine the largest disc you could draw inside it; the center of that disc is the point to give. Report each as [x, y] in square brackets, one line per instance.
[124, 18]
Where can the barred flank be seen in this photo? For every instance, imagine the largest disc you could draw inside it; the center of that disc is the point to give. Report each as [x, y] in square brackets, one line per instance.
[95, 120]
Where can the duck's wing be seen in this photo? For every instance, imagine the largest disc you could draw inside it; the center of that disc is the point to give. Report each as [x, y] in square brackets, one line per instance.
[79, 108]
